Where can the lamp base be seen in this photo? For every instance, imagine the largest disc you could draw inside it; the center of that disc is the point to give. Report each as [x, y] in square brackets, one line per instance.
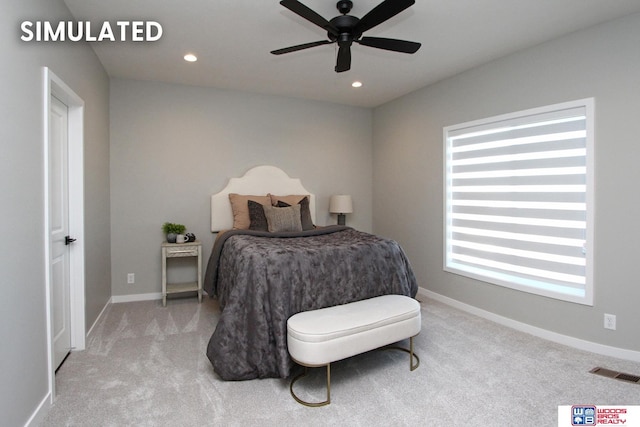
[342, 219]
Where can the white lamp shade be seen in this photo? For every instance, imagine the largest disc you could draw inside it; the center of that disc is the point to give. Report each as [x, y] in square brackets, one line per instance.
[340, 204]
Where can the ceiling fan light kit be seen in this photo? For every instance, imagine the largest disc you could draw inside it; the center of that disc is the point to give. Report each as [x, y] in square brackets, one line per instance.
[345, 29]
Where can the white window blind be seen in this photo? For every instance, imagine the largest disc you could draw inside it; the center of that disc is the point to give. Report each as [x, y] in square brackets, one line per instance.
[518, 208]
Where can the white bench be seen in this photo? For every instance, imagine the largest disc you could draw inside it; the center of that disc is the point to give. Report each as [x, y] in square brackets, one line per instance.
[319, 337]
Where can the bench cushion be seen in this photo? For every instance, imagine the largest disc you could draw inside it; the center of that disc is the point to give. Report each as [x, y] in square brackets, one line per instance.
[322, 336]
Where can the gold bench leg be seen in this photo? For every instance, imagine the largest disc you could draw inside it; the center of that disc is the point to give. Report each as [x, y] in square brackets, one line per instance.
[312, 404]
[412, 356]
[412, 366]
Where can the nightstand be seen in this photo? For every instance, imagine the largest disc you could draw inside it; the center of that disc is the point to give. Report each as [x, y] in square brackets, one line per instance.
[180, 250]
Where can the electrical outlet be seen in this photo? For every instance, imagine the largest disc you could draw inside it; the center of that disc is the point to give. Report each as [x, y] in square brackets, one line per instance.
[131, 278]
[610, 321]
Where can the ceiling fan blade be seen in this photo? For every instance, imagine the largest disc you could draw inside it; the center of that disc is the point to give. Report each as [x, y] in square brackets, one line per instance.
[395, 45]
[385, 10]
[301, 10]
[300, 47]
[344, 59]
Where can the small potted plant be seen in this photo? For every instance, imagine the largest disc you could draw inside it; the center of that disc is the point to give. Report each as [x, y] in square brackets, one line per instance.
[172, 230]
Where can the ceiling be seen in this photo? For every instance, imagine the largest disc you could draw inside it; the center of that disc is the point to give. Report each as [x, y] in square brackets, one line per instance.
[233, 38]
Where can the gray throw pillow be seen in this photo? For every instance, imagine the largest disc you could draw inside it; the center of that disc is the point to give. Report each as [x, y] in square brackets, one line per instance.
[283, 219]
[305, 213]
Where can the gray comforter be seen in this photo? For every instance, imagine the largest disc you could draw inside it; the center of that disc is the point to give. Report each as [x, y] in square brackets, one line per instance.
[261, 279]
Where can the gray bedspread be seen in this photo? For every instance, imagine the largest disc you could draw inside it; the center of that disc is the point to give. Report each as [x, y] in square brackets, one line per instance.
[261, 279]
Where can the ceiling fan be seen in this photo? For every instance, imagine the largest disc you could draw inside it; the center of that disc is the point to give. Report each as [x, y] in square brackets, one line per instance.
[346, 29]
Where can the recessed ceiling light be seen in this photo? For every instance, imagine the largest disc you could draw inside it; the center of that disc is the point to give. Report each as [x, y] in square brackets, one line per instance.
[190, 57]
[356, 84]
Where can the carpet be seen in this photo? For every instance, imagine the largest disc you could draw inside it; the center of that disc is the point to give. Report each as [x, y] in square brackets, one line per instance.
[145, 365]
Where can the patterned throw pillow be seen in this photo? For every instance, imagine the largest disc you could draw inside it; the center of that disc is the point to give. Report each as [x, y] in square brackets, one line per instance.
[283, 219]
[305, 213]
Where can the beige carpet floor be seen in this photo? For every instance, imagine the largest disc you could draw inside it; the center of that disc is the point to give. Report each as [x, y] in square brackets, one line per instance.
[145, 365]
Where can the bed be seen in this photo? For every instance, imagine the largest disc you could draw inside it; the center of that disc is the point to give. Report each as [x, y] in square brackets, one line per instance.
[264, 272]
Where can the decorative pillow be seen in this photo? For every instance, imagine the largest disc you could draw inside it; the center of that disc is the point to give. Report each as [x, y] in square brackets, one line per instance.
[257, 219]
[291, 199]
[305, 213]
[240, 208]
[283, 219]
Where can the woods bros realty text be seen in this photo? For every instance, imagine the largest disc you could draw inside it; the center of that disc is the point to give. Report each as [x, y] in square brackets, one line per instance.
[135, 31]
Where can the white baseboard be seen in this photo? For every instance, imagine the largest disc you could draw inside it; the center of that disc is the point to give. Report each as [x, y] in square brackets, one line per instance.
[136, 297]
[605, 350]
[99, 316]
[40, 413]
[124, 298]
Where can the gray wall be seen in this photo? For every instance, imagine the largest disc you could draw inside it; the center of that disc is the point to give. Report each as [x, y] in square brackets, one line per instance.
[23, 353]
[600, 62]
[172, 146]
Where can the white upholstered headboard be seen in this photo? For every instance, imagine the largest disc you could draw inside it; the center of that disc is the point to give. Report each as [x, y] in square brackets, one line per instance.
[261, 180]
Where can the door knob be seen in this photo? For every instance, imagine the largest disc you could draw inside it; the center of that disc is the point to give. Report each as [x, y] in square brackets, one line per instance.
[68, 240]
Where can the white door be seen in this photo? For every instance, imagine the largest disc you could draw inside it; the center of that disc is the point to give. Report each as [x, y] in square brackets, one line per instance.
[59, 229]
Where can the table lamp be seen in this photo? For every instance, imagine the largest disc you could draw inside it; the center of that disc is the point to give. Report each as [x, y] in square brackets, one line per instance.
[341, 204]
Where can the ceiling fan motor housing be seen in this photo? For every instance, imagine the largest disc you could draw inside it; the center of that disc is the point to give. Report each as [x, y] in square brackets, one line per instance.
[345, 25]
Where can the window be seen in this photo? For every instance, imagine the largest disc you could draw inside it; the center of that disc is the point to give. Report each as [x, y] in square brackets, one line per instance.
[518, 200]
